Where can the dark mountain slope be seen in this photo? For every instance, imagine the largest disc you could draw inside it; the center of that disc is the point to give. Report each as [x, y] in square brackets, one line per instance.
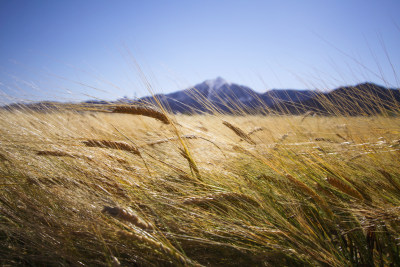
[362, 99]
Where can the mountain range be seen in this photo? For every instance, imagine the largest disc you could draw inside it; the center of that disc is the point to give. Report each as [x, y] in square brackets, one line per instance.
[222, 96]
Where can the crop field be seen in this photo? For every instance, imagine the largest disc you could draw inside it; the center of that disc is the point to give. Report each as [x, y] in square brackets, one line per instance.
[112, 189]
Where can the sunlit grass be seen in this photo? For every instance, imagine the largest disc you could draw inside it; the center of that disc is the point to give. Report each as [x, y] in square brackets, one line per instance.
[306, 190]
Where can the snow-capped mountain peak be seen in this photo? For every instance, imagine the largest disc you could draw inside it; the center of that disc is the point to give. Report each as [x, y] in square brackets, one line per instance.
[217, 83]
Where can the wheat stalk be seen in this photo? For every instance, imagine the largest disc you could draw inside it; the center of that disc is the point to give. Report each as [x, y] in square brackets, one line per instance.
[239, 132]
[256, 129]
[147, 111]
[323, 139]
[192, 164]
[158, 246]
[308, 113]
[166, 140]
[125, 215]
[3, 158]
[112, 144]
[391, 180]
[341, 137]
[176, 169]
[344, 187]
[228, 196]
[56, 153]
[190, 136]
[306, 189]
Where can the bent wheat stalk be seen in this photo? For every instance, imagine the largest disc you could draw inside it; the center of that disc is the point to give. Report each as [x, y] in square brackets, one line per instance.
[190, 136]
[147, 111]
[307, 190]
[168, 250]
[308, 113]
[256, 129]
[125, 215]
[341, 137]
[227, 196]
[56, 153]
[390, 179]
[112, 144]
[192, 163]
[171, 139]
[239, 132]
[323, 139]
[344, 187]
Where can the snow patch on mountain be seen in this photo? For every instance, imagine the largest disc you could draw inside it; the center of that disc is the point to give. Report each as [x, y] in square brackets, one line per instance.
[216, 83]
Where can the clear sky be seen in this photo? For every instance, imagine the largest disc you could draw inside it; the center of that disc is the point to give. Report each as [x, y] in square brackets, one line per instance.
[76, 50]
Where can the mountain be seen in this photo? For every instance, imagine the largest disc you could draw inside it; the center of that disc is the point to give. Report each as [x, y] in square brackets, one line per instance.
[208, 95]
[218, 94]
[38, 106]
[361, 99]
[277, 96]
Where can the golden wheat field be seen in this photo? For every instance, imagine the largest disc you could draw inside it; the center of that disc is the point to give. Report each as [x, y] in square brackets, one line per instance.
[89, 188]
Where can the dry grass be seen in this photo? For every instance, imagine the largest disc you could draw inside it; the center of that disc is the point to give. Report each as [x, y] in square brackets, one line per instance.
[314, 191]
[219, 197]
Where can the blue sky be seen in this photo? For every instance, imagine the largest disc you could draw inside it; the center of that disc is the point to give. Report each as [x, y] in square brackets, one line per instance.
[76, 50]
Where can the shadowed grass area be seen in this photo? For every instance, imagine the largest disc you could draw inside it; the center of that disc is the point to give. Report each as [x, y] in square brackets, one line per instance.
[202, 190]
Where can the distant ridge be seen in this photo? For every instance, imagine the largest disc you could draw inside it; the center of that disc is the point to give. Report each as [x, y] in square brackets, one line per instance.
[361, 99]
[222, 96]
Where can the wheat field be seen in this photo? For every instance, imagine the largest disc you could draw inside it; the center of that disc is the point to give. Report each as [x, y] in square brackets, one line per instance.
[89, 188]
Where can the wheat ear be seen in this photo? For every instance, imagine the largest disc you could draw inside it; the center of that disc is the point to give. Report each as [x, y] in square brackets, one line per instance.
[147, 111]
[56, 153]
[308, 113]
[344, 187]
[239, 132]
[306, 189]
[192, 163]
[125, 215]
[390, 179]
[172, 252]
[256, 129]
[112, 144]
